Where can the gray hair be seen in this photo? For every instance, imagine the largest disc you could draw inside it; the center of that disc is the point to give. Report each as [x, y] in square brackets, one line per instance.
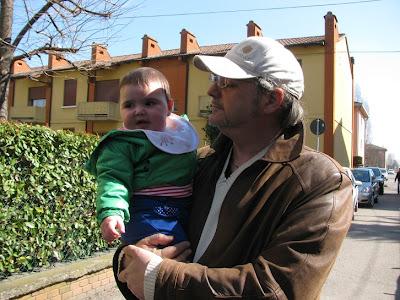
[292, 109]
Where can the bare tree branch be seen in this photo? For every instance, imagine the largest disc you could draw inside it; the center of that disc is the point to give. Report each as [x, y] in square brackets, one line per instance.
[32, 21]
[4, 42]
[78, 9]
[54, 24]
[44, 49]
[60, 26]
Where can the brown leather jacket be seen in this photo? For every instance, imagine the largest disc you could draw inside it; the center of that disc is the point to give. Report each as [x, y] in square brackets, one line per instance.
[279, 231]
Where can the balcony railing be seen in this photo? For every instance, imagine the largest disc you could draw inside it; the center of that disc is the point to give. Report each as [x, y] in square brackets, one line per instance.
[98, 111]
[29, 114]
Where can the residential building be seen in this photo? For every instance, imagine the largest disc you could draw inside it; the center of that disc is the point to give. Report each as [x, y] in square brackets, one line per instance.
[62, 97]
[360, 117]
[375, 156]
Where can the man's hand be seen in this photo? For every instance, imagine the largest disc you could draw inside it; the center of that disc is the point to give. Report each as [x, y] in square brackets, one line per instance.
[136, 259]
[133, 274]
[112, 227]
[179, 252]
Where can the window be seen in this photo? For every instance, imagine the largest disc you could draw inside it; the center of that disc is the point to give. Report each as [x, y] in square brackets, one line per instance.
[107, 90]
[39, 102]
[70, 92]
[204, 106]
[37, 96]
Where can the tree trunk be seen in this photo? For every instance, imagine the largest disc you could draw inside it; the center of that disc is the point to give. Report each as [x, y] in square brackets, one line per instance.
[6, 52]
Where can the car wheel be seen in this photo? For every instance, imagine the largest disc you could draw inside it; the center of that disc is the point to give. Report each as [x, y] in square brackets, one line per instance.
[376, 199]
[356, 207]
[381, 190]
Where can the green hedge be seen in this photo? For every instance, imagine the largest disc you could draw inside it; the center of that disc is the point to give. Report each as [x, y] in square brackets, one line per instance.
[47, 200]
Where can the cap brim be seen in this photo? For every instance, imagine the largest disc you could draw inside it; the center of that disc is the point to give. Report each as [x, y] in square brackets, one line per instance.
[221, 66]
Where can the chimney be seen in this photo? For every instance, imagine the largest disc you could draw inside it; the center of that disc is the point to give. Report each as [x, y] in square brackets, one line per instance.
[188, 42]
[20, 66]
[99, 53]
[56, 60]
[253, 29]
[331, 28]
[150, 47]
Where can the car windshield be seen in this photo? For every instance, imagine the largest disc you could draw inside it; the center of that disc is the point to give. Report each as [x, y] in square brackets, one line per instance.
[361, 175]
[376, 171]
[383, 171]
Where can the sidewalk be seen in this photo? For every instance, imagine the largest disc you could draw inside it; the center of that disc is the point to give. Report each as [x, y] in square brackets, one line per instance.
[111, 294]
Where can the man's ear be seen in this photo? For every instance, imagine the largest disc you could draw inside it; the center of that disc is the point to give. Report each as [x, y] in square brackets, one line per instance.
[170, 104]
[275, 100]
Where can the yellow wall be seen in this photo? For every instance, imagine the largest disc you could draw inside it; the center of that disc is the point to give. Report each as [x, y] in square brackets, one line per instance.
[116, 72]
[21, 93]
[66, 116]
[197, 86]
[343, 105]
[313, 61]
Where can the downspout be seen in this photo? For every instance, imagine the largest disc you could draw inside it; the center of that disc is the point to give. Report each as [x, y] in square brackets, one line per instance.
[331, 37]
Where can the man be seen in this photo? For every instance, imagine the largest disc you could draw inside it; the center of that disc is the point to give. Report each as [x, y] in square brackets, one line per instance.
[398, 181]
[268, 214]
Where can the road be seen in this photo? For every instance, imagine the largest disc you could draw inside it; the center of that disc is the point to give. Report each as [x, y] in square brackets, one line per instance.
[368, 265]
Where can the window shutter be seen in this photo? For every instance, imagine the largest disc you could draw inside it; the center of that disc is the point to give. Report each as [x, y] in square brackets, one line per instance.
[70, 92]
[107, 90]
[36, 93]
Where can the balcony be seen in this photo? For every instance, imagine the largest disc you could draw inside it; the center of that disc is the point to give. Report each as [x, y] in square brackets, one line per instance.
[28, 114]
[98, 111]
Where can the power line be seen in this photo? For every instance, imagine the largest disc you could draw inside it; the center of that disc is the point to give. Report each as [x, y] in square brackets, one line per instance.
[248, 10]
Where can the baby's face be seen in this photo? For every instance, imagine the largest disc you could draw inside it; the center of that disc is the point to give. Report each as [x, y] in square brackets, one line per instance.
[144, 107]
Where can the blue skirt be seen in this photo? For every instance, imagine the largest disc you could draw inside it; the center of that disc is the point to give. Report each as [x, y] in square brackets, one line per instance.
[156, 214]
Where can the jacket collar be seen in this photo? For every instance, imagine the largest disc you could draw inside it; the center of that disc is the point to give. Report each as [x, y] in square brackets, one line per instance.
[286, 148]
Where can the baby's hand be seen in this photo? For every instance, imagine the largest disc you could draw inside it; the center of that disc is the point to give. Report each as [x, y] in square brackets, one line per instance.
[111, 228]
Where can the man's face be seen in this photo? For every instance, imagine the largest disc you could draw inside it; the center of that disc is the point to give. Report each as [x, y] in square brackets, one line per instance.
[233, 105]
[144, 107]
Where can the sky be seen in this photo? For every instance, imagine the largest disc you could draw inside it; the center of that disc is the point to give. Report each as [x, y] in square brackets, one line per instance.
[372, 28]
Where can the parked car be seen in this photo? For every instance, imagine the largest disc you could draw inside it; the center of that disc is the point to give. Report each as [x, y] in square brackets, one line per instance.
[391, 171]
[355, 183]
[368, 190]
[379, 177]
[384, 173]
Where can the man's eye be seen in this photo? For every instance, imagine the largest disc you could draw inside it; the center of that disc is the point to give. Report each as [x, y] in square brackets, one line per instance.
[230, 85]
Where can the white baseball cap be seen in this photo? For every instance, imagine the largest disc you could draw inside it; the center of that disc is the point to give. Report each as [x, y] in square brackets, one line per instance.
[257, 57]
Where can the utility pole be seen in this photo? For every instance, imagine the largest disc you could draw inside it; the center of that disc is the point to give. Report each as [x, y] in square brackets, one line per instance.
[6, 52]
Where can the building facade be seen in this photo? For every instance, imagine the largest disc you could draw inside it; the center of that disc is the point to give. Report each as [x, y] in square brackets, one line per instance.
[84, 96]
[360, 117]
[375, 156]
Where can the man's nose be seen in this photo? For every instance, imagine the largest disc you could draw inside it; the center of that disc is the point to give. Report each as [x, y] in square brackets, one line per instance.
[214, 91]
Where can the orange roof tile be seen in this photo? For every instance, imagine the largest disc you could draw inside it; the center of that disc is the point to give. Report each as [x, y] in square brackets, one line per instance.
[219, 49]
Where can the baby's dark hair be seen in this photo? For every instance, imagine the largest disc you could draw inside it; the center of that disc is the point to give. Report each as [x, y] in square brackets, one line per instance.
[143, 76]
